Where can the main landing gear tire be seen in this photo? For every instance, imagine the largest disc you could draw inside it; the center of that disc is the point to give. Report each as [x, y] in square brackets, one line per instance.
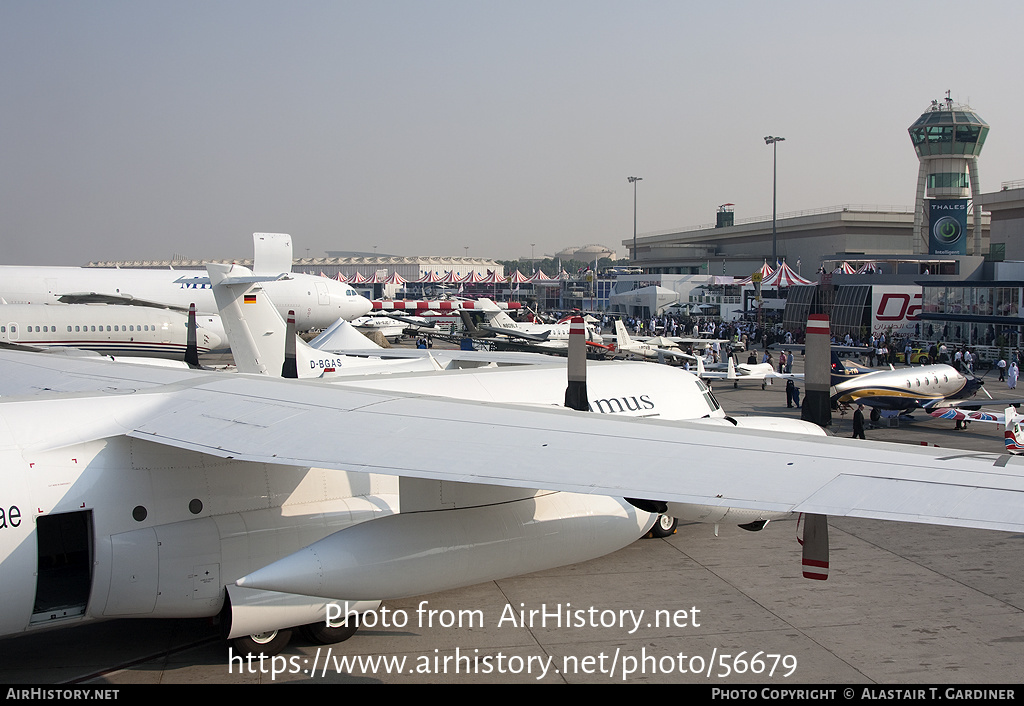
[322, 634]
[267, 643]
[664, 526]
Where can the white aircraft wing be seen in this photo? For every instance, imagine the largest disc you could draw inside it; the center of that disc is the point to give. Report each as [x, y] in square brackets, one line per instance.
[300, 423]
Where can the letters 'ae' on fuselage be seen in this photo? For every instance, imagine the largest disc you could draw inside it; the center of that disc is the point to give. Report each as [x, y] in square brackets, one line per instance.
[109, 329]
[317, 301]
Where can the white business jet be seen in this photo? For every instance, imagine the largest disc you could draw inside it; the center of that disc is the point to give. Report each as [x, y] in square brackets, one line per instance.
[317, 301]
[108, 329]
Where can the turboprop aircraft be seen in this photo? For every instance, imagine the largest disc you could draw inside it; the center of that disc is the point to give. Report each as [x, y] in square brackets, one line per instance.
[109, 329]
[763, 372]
[905, 389]
[317, 301]
[625, 344]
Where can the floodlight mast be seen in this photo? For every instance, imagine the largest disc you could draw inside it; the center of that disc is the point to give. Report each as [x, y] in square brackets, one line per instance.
[773, 141]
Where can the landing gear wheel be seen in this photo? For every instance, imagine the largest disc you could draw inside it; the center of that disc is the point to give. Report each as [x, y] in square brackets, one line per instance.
[265, 643]
[321, 634]
[665, 526]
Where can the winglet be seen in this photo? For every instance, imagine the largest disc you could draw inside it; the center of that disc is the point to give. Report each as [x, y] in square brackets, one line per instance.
[731, 374]
[576, 391]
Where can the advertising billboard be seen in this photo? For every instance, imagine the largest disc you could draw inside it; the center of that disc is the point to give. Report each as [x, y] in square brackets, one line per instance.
[895, 310]
[947, 227]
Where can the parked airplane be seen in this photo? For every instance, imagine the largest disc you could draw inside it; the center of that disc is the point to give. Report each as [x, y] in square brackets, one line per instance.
[906, 389]
[499, 322]
[391, 326]
[625, 344]
[764, 372]
[259, 340]
[317, 301]
[146, 492]
[109, 329]
[1013, 437]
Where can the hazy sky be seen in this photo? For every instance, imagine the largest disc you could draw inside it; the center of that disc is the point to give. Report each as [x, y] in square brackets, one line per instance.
[141, 130]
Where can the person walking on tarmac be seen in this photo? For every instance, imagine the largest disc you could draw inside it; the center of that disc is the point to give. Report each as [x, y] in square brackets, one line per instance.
[858, 422]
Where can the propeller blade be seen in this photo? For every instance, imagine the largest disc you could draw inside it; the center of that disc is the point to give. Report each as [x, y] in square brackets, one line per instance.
[815, 545]
[290, 368]
[576, 391]
[191, 348]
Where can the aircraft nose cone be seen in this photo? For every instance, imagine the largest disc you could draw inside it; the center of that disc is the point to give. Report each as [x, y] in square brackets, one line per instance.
[360, 306]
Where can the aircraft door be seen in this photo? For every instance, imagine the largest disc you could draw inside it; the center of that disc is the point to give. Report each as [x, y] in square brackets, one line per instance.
[65, 561]
[323, 295]
[12, 331]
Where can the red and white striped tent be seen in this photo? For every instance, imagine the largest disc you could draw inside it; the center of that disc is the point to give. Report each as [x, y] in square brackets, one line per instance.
[473, 277]
[540, 278]
[784, 277]
[766, 272]
[429, 278]
[493, 279]
[450, 278]
[518, 278]
[845, 269]
[395, 278]
[358, 278]
[341, 278]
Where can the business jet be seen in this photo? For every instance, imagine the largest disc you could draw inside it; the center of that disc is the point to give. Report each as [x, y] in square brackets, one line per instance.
[391, 327]
[108, 329]
[499, 322]
[317, 301]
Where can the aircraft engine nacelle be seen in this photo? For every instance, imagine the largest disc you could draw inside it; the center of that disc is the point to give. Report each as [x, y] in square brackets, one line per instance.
[422, 552]
[250, 612]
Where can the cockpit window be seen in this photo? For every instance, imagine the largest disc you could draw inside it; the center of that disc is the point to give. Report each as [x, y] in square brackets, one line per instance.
[709, 398]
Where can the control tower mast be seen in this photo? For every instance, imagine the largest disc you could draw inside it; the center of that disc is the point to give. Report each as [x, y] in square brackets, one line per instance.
[948, 139]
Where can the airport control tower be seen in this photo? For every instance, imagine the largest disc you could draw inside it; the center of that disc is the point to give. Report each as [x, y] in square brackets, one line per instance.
[948, 139]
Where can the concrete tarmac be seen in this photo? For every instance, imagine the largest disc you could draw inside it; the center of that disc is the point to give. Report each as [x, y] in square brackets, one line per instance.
[904, 604]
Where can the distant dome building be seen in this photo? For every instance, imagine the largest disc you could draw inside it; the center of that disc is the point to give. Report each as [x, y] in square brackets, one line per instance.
[587, 253]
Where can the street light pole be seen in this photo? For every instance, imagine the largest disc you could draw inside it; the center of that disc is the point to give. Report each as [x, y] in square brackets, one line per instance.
[633, 180]
[774, 141]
